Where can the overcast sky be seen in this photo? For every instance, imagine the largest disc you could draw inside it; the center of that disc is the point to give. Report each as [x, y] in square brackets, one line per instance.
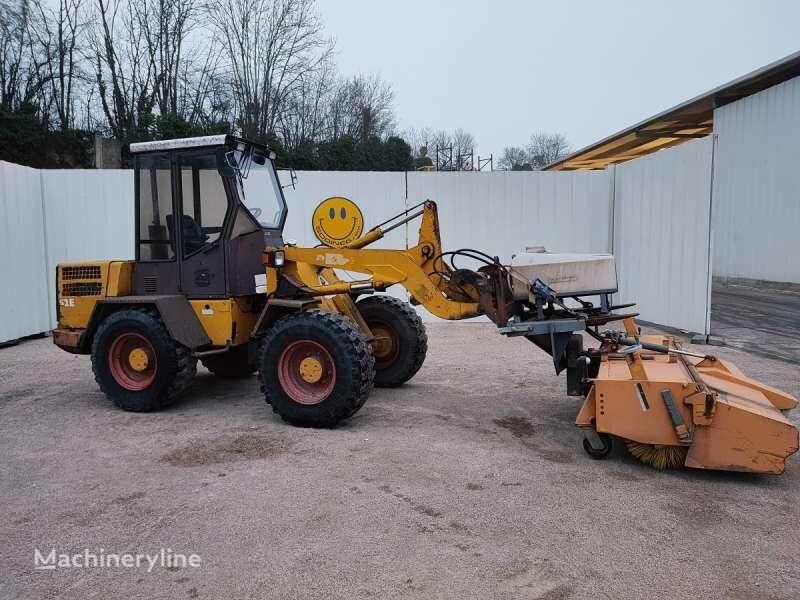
[504, 69]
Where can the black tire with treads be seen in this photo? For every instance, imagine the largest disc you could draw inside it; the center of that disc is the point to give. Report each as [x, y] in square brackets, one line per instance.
[409, 331]
[352, 359]
[176, 365]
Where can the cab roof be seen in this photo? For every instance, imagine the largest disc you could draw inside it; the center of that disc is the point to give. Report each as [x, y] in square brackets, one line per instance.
[191, 142]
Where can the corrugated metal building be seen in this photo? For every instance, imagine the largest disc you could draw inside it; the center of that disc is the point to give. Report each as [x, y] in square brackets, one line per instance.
[757, 186]
[755, 121]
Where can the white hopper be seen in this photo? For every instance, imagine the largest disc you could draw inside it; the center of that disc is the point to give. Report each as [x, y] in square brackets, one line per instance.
[567, 274]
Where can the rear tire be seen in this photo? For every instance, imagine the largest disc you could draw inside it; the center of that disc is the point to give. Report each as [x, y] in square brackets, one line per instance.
[233, 364]
[402, 343]
[316, 368]
[136, 363]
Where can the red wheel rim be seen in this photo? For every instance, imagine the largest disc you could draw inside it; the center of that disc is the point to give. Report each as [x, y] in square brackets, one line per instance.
[306, 372]
[132, 361]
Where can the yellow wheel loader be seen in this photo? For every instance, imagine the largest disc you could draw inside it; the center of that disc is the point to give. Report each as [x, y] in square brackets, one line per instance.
[213, 280]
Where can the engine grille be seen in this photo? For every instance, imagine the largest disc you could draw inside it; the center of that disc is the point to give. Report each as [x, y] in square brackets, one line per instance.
[150, 284]
[81, 272]
[82, 289]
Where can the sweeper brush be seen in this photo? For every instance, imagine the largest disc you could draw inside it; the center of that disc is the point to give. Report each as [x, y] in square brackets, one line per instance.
[660, 457]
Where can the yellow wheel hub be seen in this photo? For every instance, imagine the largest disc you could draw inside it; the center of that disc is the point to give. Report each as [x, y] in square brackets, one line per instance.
[310, 369]
[138, 360]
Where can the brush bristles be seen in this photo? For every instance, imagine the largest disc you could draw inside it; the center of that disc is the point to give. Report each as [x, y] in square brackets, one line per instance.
[660, 457]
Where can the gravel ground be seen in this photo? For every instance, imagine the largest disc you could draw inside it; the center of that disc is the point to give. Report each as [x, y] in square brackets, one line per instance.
[469, 482]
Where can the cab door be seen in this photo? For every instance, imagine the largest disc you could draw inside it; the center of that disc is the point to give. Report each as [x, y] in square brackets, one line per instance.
[204, 209]
[157, 267]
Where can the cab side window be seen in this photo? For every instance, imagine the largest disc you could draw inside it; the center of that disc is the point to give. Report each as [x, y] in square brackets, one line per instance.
[204, 203]
[156, 236]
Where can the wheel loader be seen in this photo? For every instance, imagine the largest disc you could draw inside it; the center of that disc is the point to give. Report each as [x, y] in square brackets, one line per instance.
[213, 280]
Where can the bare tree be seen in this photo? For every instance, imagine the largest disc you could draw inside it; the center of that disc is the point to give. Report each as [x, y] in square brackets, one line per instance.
[420, 141]
[305, 115]
[20, 65]
[123, 70]
[361, 107]
[13, 31]
[58, 33]
[451, 151]
[207, 98]
[545, 148]
[463, 146]
[165, 26]
[514, 158]
[270, 46]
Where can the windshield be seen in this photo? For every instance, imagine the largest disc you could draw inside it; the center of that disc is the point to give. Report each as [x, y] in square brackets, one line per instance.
[260, 189]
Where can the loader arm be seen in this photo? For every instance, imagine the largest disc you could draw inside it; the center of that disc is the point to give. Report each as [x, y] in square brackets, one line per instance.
[418, 269]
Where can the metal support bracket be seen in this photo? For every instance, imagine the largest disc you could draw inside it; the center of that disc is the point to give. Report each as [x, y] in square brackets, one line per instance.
[681, 430]
[544, 327]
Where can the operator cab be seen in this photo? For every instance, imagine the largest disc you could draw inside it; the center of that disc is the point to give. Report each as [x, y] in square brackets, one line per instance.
[206, 207]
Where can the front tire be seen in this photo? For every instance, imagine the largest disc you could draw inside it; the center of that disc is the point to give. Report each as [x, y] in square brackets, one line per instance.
[136, 363]
[316, 368]
[401, 343]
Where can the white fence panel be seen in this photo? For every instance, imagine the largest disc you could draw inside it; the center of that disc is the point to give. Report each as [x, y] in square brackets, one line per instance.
[378, 195]
[500, 213]
[89, 216]
[661, 234]
[24, 302]
[756, 180]
[660, 230]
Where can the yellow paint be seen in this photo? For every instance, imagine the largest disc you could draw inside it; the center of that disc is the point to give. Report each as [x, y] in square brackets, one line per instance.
[272, 280]
[116, 279]
[138, 360]
[120, 278]
[218, 317]
[344, 305]
[310, 369]
[337, 222]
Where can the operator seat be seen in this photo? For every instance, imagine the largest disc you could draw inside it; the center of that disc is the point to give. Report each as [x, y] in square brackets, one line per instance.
[193, 236]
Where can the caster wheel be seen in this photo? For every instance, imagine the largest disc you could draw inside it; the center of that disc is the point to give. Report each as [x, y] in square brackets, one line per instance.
[601, 452]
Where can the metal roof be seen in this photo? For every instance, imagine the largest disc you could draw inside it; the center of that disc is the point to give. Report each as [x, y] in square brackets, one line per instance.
[192, 142]
[691, 119]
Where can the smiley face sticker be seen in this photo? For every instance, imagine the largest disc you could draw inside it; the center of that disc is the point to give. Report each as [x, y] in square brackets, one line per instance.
[337, 222]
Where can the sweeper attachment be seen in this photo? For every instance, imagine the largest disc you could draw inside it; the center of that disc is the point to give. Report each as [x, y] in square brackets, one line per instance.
[675, 408]
[670, 406]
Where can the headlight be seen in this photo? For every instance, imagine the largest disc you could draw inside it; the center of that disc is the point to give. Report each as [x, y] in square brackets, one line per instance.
[278, 258]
